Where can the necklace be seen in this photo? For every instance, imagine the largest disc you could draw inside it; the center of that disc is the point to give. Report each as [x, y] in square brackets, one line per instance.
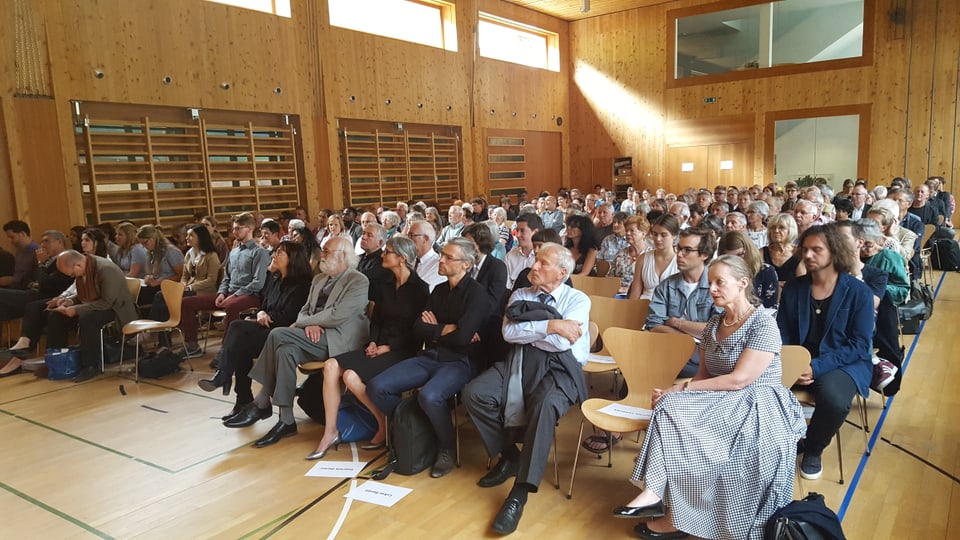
[818, 305]
[739, 318]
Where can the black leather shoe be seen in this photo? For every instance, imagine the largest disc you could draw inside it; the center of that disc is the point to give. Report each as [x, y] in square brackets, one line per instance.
[644, 532]
[503, 470]
[86, 374]
[237, 409]
[276, 433]
[508, 517]
[248, 416]
[650, 511]
[443, 465]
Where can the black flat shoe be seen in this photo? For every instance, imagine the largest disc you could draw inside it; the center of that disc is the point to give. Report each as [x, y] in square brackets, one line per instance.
[249, 416]
[374, 446]
[500, 473]
[16, 371]
[650, 511]
[644, 532]
[220, 380]
[276, 433]
[508, 517]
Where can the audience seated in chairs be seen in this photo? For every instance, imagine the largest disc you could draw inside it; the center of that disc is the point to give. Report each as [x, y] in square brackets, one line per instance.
[242, 281]
[131, 256]
[101, 296]
[303, 236]
[399, 303]
[624, 262]
[653, 266]
[332, 321]
[546, 325]
[284, 294]
[582, 242]
[831, 314]
[427, 261]
[372, 239]
[455, 313]
[765, 283]
[201, 269]
[682, 302]
[718, 457]
[219, 243]
[521, 257]
[164, 261]
[31, 303]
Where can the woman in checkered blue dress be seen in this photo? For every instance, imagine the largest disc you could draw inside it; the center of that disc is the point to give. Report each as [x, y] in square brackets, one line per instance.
[720, 451]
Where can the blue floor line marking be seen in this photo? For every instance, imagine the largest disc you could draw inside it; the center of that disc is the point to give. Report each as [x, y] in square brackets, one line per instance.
[879, 425]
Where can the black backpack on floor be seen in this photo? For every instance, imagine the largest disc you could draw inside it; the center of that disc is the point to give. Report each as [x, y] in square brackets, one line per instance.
[413, 443]
[160, 364]
[945, 255]
[806, 519]
[310, 398]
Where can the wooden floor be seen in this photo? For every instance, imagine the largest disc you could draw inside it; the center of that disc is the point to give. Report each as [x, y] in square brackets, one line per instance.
[85, 460]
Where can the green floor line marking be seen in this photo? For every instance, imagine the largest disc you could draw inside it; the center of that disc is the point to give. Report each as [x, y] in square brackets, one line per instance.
[31, 396]
[91, 443]
[265, 525]
[55, 512]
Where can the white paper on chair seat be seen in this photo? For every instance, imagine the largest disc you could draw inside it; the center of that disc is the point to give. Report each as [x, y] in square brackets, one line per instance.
[378, 493]
[601, 359]
[336, 469]
[807, 411]
[626, 411]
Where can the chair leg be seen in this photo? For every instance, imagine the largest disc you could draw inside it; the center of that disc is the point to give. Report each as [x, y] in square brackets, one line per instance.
[840, 457]
[576, 455]
[102, 362]
[123, 341]
[862, 405]
[184, 341]
[556, 462]
[456, 428]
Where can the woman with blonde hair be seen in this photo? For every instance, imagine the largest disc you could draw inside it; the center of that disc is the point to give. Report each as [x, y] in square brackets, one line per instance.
[164, 261]
[780, 251]
[131, 255]
[335, 227]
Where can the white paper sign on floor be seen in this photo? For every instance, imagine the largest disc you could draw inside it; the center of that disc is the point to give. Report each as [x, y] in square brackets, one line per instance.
[336, 469]
[378, 493]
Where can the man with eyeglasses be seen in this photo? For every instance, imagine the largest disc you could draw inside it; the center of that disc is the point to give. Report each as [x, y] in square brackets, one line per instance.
[332, 322]
[244, 275]
[806, 214]
[428, 261]
[681, 303]
[367, 218]
[454, 314]
[859, 199]
[791, 190]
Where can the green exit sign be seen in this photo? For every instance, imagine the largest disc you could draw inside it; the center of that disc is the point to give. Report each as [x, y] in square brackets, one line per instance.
[709, 100]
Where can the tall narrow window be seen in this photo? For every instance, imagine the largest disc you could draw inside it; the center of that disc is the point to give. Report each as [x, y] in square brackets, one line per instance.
[511, 41]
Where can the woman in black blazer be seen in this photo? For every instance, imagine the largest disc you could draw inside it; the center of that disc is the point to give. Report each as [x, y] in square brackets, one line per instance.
[284, 293]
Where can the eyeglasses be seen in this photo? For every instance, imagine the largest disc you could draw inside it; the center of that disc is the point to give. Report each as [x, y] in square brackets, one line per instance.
[687, 250]
[411, 235]
[389, 252]
[446, 257]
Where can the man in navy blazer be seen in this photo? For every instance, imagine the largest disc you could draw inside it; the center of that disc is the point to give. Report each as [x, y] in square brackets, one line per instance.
[830, 313]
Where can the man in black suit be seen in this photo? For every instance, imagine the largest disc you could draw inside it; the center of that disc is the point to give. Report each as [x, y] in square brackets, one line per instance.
[492, 274]
[371, 260]
[859, 199]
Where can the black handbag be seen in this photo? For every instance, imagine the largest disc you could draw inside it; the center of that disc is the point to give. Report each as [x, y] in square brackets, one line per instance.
[806, 519]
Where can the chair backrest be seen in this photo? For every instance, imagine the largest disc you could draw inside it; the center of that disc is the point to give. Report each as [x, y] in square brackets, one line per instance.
[601, 268]
[794, 359]
[608, 312]
[600, 286]
[594, 333]
[173, 297]
[647, 360]
[928, 231]
[134, 285]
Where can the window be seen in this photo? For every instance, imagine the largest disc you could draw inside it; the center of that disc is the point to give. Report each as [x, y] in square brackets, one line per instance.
[510, 41]
[767, 35]
[276, 7]
[427, 22]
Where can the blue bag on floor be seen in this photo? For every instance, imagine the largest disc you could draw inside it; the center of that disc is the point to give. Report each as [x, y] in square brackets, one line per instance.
[62, 363]
[354, 421]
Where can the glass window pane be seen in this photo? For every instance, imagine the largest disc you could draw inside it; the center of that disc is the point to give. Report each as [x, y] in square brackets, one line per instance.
[512, 45]
[409, 21]
[718, 42]
[816, 31]
[825, 147]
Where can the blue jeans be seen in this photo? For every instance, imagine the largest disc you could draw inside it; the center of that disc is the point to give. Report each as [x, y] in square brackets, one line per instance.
[438, 380]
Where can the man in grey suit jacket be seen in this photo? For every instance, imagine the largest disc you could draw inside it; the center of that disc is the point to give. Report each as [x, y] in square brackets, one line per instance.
[332, 322]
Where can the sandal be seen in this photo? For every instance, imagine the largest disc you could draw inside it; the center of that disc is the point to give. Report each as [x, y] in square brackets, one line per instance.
[598, 444]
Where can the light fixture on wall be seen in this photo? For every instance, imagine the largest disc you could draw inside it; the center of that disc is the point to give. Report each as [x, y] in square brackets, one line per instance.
[584, 6]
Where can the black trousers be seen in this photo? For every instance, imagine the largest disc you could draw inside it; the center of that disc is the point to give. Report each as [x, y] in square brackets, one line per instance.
[834, 393]
[90, 323]
[243, 342]
[544, 405]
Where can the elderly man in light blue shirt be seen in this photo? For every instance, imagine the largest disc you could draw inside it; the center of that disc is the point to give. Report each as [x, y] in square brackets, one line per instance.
[522, 398]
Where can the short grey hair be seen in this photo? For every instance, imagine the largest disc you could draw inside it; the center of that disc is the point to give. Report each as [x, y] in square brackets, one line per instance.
[404, 247]
[500, 213]
[457, 210]
[738, 216]
[466, 247]
[880, 193]
[381, 233]
[423, 227]
[564, 257]
[684, 208]
[349, 255]
[871, 230]
[760, 207]
[392, 217]
[54, 234]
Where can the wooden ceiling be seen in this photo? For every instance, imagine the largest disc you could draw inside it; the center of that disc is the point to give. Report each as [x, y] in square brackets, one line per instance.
[569, 10]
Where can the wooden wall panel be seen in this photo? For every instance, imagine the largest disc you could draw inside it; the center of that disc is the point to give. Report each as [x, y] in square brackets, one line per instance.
[37, 132]
[910, 88]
